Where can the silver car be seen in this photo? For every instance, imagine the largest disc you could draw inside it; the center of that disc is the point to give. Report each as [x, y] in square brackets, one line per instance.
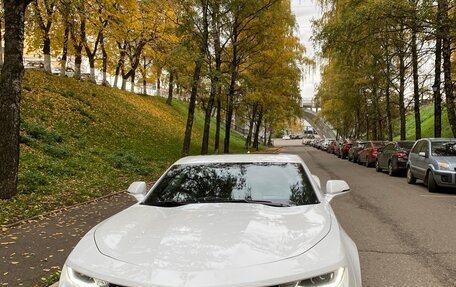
[434, 162]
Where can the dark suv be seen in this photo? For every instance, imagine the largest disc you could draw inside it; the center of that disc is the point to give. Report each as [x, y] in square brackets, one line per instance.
[394, 157]
[434, 162]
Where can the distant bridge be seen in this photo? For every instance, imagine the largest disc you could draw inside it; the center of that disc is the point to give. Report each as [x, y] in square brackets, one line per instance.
[322, 128]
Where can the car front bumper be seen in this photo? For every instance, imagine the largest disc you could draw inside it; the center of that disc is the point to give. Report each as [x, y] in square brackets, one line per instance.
[445, 178]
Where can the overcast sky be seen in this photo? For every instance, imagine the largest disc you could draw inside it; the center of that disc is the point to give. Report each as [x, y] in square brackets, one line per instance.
[306, 11]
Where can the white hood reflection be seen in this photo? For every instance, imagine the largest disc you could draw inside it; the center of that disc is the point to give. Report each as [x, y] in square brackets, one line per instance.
[201, 237]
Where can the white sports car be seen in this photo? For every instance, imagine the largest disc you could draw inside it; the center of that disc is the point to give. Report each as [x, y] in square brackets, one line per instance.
[228, 220]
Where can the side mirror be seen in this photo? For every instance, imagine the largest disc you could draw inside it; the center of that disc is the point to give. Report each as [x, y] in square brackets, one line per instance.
[138, 189]
[422, 153]
[317, 179]
[335, 188]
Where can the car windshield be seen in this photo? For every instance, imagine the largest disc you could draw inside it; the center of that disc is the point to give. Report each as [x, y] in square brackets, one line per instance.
[444, 148]
[406, 145]
[277, 184]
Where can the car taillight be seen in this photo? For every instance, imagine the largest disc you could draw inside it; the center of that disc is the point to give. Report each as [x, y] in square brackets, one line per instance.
[402, 154]
[374, 151]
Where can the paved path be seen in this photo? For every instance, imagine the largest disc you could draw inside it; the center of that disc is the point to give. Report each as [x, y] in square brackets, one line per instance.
[405, 235]
[33, 251]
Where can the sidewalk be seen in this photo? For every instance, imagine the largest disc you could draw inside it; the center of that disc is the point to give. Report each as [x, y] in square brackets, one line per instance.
[34, 251]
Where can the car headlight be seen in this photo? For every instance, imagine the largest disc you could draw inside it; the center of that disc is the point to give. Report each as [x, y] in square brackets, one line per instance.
[72, 278]
[337, 278]
[444, 165]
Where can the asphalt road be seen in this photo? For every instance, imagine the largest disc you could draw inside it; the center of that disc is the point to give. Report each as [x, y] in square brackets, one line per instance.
[405, 235]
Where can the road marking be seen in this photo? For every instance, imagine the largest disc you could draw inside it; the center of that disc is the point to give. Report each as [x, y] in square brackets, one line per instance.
[437, 196]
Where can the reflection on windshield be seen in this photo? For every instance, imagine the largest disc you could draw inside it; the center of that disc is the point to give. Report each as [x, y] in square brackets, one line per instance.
[444, 149]
[284, 183]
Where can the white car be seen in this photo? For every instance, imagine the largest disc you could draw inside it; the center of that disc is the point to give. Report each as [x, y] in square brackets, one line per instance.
[286, 137]
[226, 220]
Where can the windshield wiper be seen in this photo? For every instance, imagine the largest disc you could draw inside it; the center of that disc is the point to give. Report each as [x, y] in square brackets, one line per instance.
[265, 202]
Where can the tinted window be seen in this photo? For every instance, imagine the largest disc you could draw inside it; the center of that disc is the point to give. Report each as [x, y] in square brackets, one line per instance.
[417, 147]
[390, 147]
[424, 147]
[444, 148]
[378, 144]
[219, 182]
[405, 145]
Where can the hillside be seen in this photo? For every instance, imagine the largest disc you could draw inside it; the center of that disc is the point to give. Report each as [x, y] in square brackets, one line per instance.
[427, 124]
[80, 141]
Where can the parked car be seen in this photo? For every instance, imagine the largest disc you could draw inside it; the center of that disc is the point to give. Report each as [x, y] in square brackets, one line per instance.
[356, 148]
[69, 72]
[394, 157]
[36, 65]
[434, 162]
[325, 143]
[226, 220]
[343, 150]
[368, 156]
[286, 137]
[332, 147]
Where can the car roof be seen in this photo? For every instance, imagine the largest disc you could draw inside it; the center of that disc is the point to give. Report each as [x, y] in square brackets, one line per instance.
[441, 139]
[235, 158]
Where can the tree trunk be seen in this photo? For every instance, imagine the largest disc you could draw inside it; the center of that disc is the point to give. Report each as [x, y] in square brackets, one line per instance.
[132, 87]
[253, 115]
[77, 62]
[416, 88]
[437, 72]
[124, 83]
[1, 42]
[119, 66]
[159, 85]
[170, 88]
[231, 89]
[256, 141]
[401, 93]
[218, 122]
[10, 93]
[63, 60]
[92, 68]
[195, 82]
[389, 121]
[446, 53]
[104, 60]
[47, 52]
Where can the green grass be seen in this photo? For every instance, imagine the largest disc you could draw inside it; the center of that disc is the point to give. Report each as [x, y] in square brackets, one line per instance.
[427, 124]
[80, 141]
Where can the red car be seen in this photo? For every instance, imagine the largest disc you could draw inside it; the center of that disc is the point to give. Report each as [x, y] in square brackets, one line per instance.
[368, 156]
[345, 147]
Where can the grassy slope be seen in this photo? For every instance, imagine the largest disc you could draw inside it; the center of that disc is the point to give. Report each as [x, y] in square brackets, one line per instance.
[80, 141]
[427, 124]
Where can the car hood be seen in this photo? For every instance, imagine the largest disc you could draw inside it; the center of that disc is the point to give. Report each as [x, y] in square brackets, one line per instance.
[200, 237]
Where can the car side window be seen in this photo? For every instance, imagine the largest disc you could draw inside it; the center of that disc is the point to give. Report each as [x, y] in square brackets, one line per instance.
[388, 147]
[417, 147]
[424, 147]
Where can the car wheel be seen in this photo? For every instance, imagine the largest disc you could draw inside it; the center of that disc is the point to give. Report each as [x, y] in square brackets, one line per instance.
[431, 184]
[367, 162]
[390, 169]
[377, 166]
[410, 178]
[359, 161]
